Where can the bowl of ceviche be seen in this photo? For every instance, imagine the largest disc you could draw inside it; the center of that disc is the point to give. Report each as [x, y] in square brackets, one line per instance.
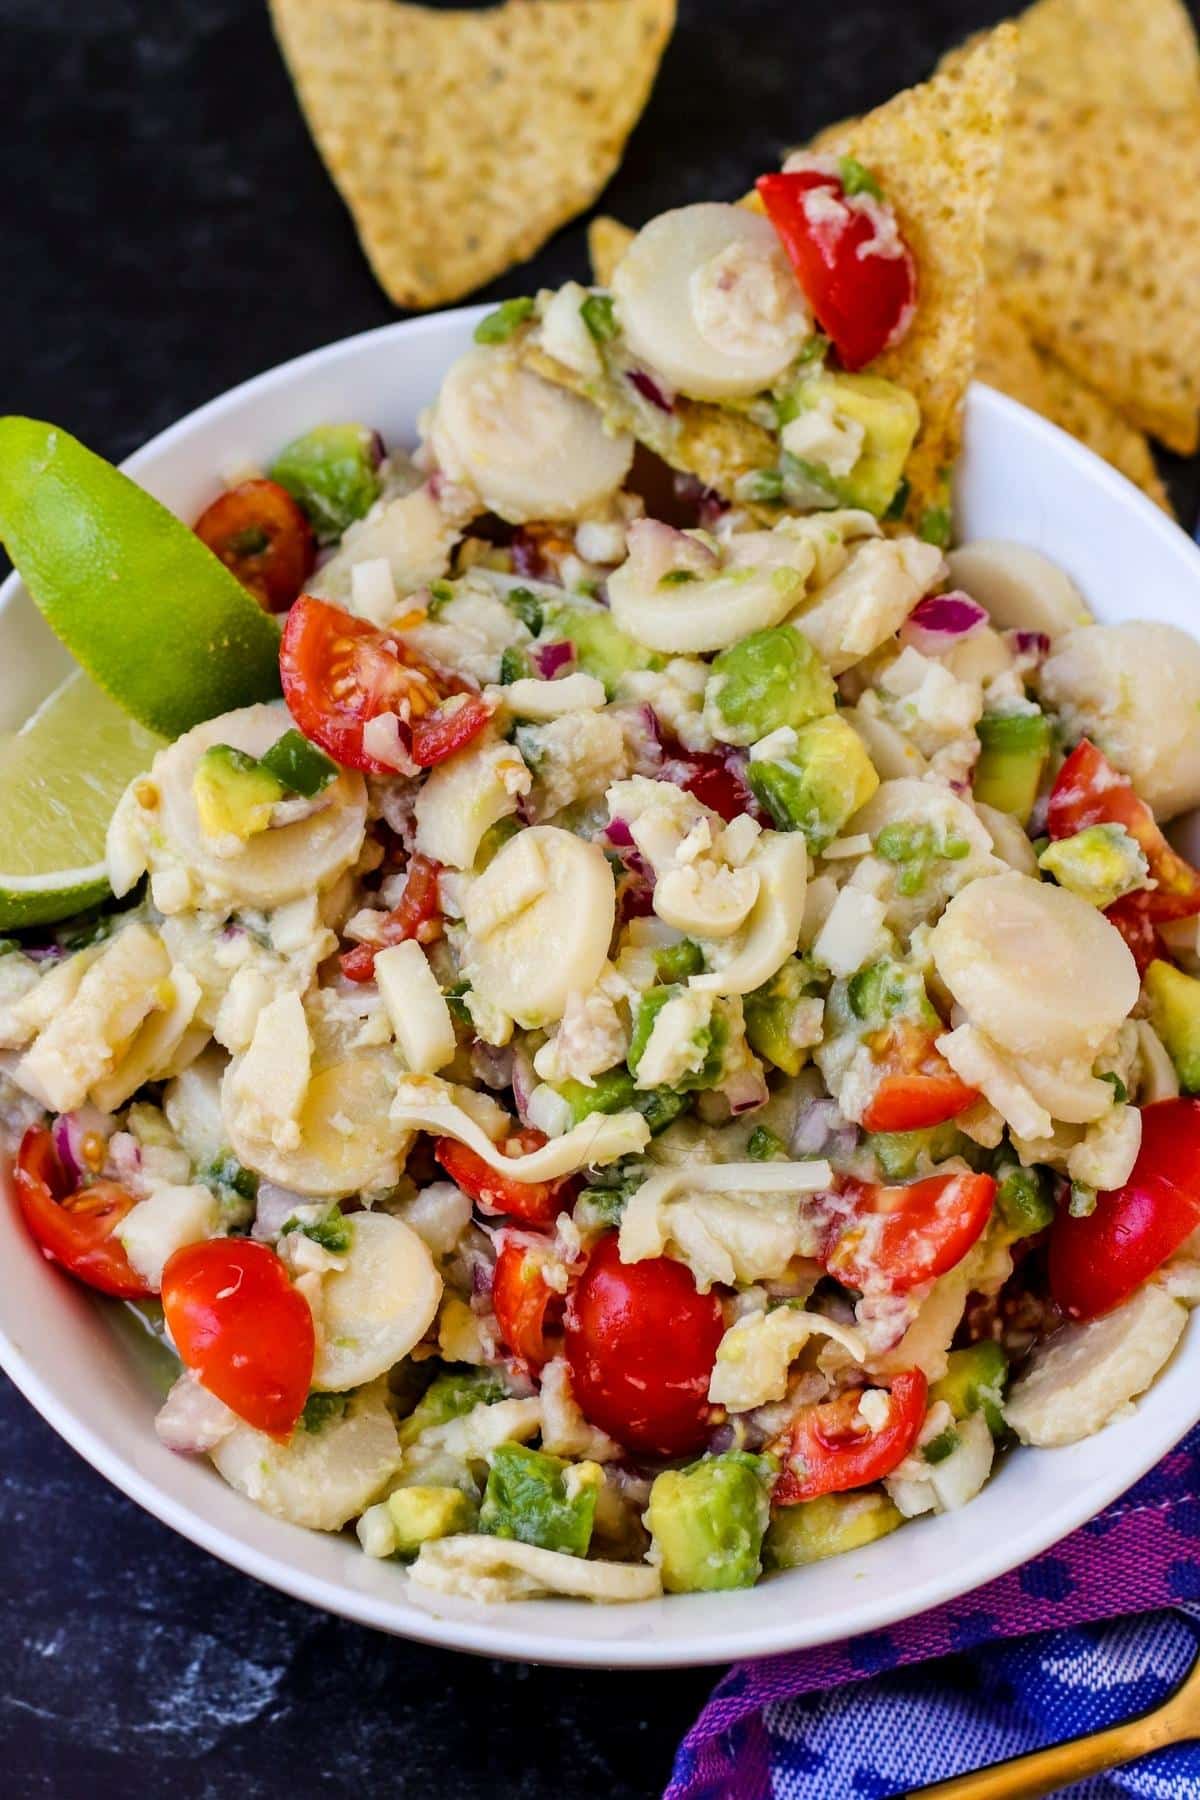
[686, 1084]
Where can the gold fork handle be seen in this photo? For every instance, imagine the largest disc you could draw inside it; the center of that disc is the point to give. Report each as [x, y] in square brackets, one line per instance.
[1046, 1771]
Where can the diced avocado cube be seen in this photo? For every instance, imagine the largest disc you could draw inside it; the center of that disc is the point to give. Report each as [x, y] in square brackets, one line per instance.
[234, 794]
[707, 1045]
[913, 847]
[770, 679]
[1013, 752]
[708, 1520]
[419, 1514]
[1023, 1205]
[888, 990]
[450, 1396]
[770, 1015]
[816, 1529]
[890, 419]
[540, 1499]
[903, 1154]
[299, 765]
[1097, 864]
[974, 1381]
[817, 783]
[333, 473]
[614, 1092]
[601, 648]
[1175, 1013]
[676, 962]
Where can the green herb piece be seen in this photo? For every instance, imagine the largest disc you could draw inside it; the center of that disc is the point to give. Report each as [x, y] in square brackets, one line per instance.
[677, 577]
[514, 665]
[899, 500]
[1082, 1203]
[500, 325]
[942, 1446]
[298, 765]
[1023, 1201]
[856, 179]
[765, 1145]
[1120, 1091]
[762, 487]
[334, 1232]
[599, 315]
[441, 593]
[321, 1410]
[527, 607]
[936, 526]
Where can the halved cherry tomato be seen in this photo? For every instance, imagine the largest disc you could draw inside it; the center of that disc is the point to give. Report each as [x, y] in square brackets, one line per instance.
[1098, 1260]
[1130, 914]
[857, 272]
[448, 729]
[339, 673]
[829, 1449]
[534, 1202]
[715, 780]
[523, 1303]
[918, 1088]
[641, 1341]
[262, 536]
[1089, 791]
[74, 1227]
[242, 1328]
[898, 1237]
[419, 915]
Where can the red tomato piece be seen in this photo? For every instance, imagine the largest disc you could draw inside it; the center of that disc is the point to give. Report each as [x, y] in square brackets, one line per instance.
[74, 1227]
[525, 1307]
[534, 1202]
[857, 272]
[419, 915]
[447, 730]
[898, 1237]
[829, 1449]
[1089, 791]
[261, 535]
[242, 1328]
[1097, 1261]
[339, 673]
[641, 1341]
[1131, 916]
[914, 1102]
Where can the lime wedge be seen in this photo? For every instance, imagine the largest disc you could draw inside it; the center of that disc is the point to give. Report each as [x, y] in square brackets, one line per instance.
[60, 778]
[140, 602]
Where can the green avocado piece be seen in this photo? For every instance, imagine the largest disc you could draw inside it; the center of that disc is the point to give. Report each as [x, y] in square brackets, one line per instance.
[675, 962]
[816, 1529]
[601, 648]
[540, 1499]
[890, 418]
[818, 783]
[770, 679]
[332, 472]
[887, 990]
[903, 1154]
[974, 1382]
[299, 765]
[450, 1395]
[1098, 864]
[1013, 752]
[708, 1520]
[1023, 1203]
[234, 794]
[419, 1514]
[614, 1092]
[1175, 1014]
[770, 1013]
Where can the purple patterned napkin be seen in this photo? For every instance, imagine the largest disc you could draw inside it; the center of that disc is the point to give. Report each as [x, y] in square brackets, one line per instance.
[765, 1729]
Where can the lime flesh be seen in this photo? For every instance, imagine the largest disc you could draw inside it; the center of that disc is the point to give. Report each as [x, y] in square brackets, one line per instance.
[60, 779]
[146, 608]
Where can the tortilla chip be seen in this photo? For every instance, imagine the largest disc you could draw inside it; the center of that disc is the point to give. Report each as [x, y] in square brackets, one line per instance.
[1009, 360]
[461, 140]
[1114, 52]
[608, 240]
[1095, 244]
[936, 151]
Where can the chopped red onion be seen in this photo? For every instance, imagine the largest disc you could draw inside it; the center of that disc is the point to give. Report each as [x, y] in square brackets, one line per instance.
[619, 835]
[746, 1090]
[643, 735]
[523, 1081]
[491, 1064]
[650, 390]
[273, 1208]
[820, 1121]
[69, 1132]
[42, 953]
[191, 1420]
[1029, 649]
[550, 659]
[124, 1162]
[940, 621]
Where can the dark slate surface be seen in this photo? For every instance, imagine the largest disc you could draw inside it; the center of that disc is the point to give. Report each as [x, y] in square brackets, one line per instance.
[168, 231]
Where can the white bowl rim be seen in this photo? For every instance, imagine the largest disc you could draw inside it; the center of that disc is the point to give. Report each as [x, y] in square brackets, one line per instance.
[497, 1631]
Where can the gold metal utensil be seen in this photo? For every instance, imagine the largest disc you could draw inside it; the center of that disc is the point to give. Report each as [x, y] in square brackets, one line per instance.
[1046, 1771]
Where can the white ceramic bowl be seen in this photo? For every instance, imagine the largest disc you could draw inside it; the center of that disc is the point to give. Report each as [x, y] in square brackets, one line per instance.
[1021, 479]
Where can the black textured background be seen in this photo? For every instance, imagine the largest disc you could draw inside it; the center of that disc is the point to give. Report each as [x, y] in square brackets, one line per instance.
[168, 230]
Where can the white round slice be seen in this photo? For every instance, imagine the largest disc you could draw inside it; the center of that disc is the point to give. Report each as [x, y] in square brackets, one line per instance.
[529, 449]
[319, 1479]
[540, 919]
[375, 1309]
[697, 616]
[347, 1140]
[274, 866]
[1040, 972]
[770, 935]
[706, 296]
[1021, 588]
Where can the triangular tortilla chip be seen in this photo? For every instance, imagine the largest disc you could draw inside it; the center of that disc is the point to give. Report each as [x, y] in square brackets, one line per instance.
[461, 140]
[936, 151]
[1114, 52]
[1009, 360]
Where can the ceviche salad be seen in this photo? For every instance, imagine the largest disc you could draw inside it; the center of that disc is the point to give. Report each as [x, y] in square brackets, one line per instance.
[669, 1044]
